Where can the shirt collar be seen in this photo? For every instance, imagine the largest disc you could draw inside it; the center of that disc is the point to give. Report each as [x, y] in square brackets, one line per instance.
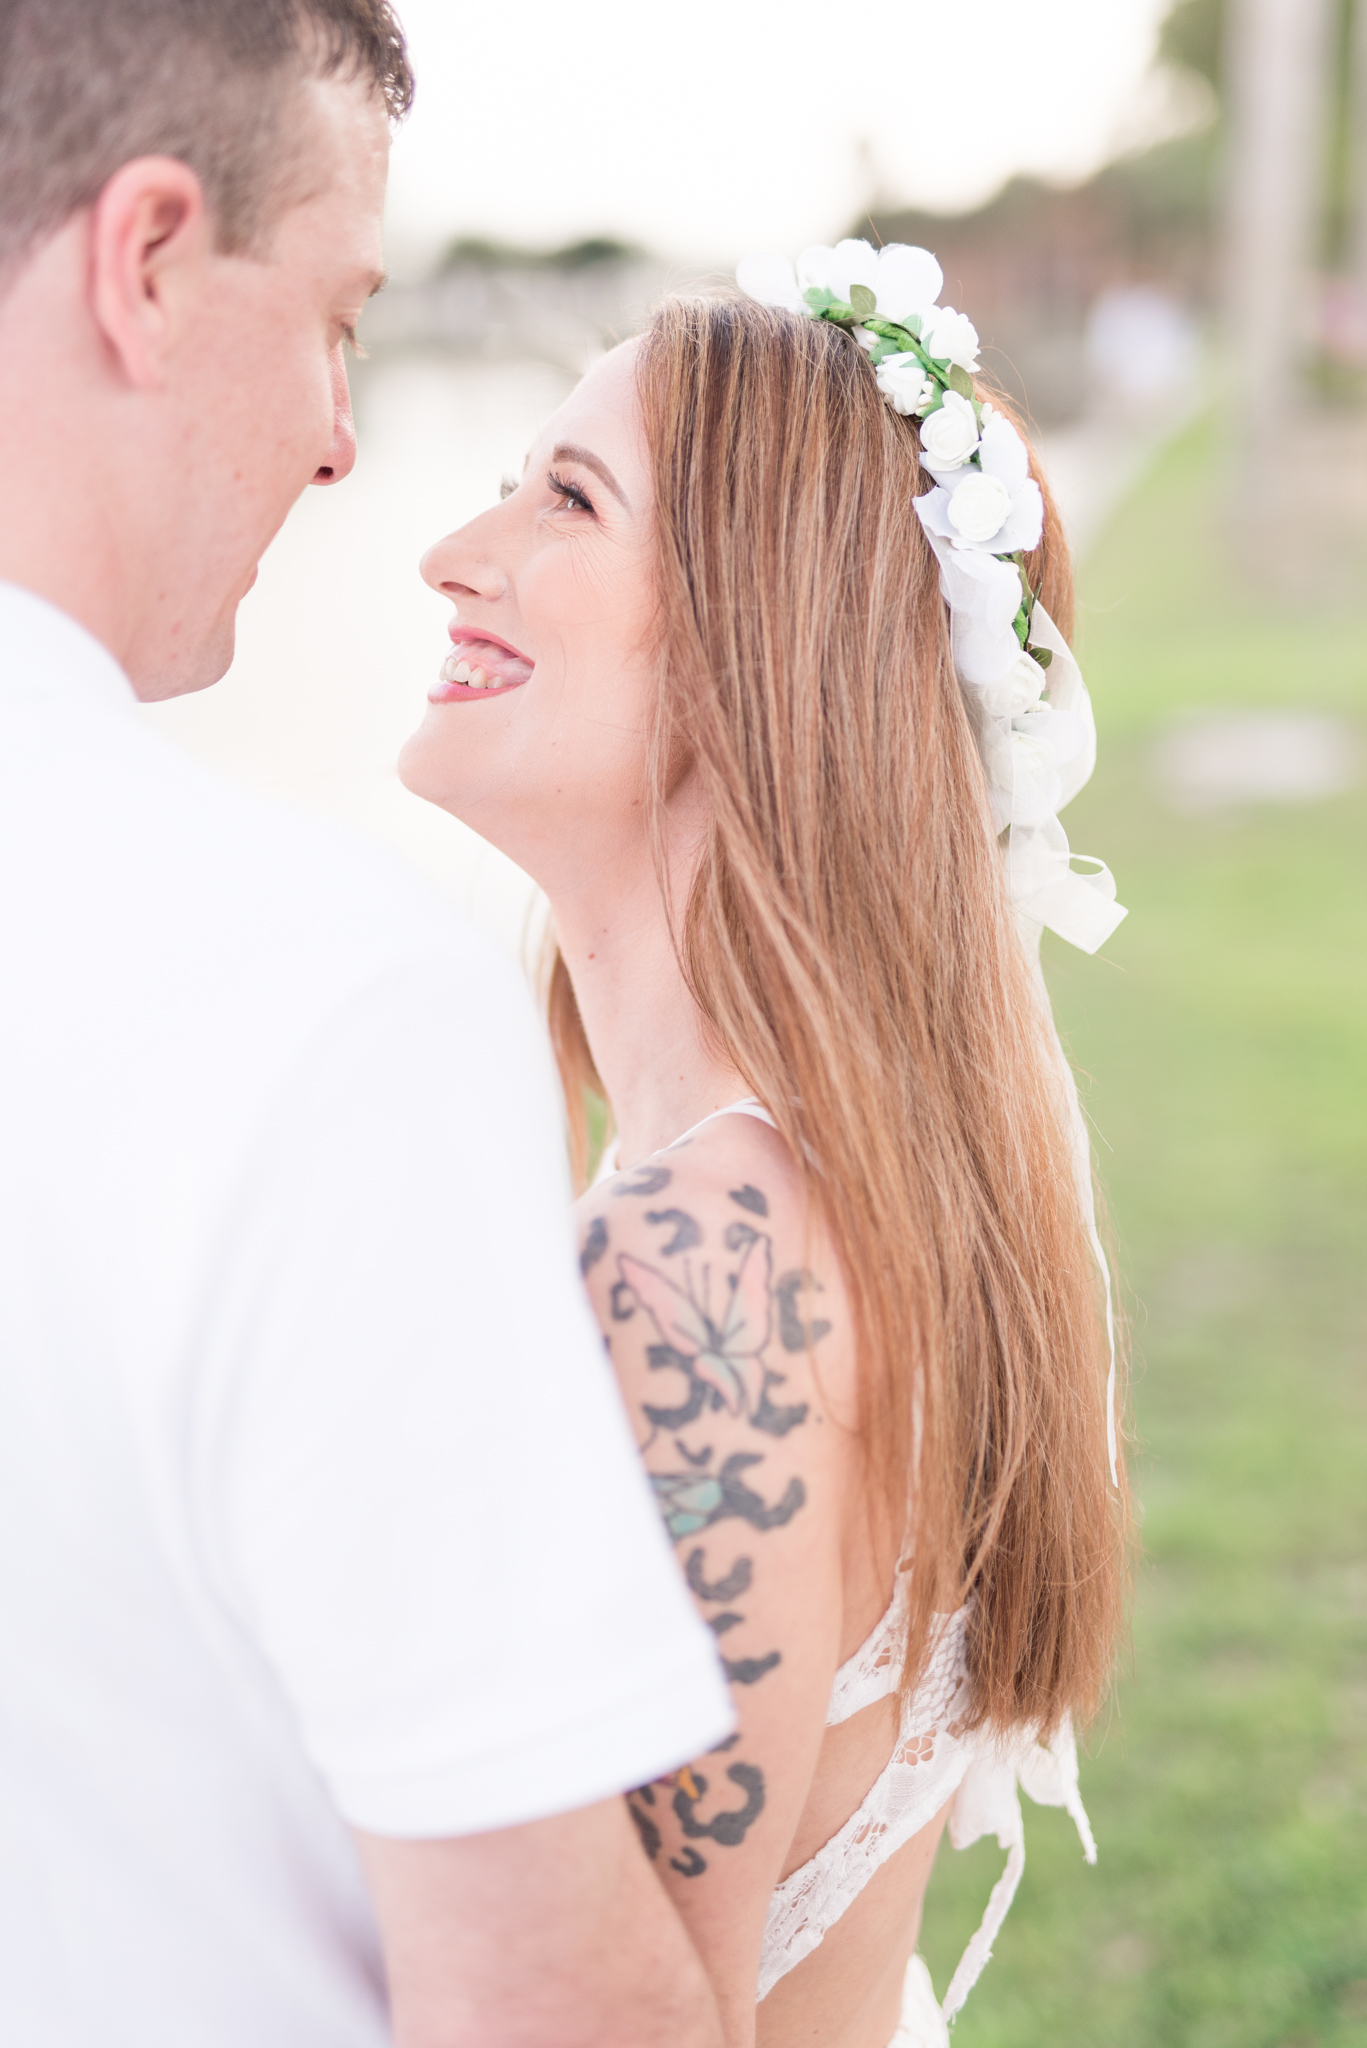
[44, 653]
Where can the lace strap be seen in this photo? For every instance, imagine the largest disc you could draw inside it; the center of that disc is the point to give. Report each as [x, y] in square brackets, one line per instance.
[876, 1666]
[749, 1105]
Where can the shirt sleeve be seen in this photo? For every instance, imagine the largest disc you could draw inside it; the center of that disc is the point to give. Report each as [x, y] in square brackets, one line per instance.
[423, 1497]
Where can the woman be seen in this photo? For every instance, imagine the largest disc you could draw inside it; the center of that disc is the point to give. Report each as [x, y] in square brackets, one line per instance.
[702, 689]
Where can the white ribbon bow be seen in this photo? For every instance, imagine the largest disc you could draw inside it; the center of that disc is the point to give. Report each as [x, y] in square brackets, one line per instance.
[1037, 757]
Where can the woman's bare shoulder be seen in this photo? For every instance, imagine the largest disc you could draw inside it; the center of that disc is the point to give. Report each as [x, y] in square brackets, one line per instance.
[729, 1332]
[712, 1250]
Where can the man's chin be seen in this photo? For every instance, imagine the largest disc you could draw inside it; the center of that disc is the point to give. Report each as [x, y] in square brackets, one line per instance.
[181, 674]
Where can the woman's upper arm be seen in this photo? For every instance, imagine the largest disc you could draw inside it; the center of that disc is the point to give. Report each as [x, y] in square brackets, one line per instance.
[713, 1323]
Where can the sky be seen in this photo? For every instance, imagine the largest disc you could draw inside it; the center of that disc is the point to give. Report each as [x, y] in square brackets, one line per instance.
[727, 125]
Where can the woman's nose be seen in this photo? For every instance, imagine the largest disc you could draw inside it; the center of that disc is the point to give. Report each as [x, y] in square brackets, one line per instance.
[459, 567]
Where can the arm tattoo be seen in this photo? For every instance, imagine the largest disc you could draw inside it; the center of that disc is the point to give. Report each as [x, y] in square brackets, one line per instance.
[646, 1828]
[749, 1670]
[686, 1231]
[794, 1334]
[723, 1338]
[647, 1180]
[712, 1322]
[776, 1421]
[658, 1357]
[729, 1829]
[595, 1245]
[690, 1501]
[736, 1582]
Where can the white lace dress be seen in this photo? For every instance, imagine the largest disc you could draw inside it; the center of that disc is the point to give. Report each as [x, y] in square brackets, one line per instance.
[936, 1759]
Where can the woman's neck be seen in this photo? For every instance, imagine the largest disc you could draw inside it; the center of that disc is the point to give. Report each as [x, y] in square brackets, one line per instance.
[643, 1026]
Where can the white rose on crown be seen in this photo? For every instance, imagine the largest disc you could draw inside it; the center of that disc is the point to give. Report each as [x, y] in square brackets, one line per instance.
[996, 507]
[949, 436]
[950, 337]
[905, 282]
[903, 382]
[978, 509]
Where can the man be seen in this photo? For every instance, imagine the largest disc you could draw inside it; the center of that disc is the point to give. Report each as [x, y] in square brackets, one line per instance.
[334, 1614]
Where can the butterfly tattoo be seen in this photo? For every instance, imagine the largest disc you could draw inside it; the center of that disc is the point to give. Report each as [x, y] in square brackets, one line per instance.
[725, 1349]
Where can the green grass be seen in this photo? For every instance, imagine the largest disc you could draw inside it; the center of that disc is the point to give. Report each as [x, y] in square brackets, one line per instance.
[1224, 1039]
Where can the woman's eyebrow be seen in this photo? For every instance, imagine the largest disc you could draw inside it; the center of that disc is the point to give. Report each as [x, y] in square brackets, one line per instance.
[566, 451]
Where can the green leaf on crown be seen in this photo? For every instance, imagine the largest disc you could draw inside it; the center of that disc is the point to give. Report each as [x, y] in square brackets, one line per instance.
[818, 298]
[1043, 655]
[864, 301]
[959, 380]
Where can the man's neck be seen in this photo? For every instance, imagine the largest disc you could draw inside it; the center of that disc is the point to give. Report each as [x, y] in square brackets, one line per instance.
[70, 525]
[63, 533]
[30, 559]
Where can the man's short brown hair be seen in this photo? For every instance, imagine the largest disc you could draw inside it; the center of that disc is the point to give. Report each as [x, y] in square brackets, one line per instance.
[87, 85]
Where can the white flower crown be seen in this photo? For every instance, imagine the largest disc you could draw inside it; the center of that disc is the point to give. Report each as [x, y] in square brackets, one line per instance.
[983, 517]
[985, 514]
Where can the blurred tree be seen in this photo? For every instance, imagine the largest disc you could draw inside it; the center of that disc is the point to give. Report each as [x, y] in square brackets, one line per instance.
[1357, 156]
[1341, 201]
[1192, 35]
[481, 253]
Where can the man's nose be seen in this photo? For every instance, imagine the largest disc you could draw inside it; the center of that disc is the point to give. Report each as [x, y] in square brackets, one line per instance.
[341, 456]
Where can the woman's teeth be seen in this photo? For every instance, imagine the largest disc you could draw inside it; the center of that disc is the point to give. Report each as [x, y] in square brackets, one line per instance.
[455, 669]
[479, 664]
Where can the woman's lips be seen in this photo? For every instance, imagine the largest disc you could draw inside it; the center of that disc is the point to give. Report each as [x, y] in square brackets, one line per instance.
[477, 667]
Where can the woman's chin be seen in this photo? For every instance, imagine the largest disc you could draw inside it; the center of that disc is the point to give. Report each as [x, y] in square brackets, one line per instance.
[417, 768]
[430, 768]
[426, 769]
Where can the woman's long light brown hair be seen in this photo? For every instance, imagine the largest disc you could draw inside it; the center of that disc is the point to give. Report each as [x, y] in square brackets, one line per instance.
[848, 940]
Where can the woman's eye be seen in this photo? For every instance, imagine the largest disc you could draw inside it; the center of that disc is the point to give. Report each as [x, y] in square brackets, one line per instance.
[571, 493]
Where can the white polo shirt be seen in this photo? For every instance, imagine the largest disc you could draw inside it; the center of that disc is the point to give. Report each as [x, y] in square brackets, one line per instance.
[317, 1504]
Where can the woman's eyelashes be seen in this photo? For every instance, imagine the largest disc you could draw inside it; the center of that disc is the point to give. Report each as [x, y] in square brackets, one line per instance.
[571, 493]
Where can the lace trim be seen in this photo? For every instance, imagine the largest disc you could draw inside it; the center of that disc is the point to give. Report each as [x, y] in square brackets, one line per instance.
[873, 1671]
[936, 1760]
[926, 1767]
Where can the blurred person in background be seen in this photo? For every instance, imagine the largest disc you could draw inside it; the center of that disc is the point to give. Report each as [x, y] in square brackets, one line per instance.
[325, 1556]
[701, 688]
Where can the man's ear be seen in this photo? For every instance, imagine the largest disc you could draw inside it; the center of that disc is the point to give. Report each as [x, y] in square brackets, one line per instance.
[150, 238]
